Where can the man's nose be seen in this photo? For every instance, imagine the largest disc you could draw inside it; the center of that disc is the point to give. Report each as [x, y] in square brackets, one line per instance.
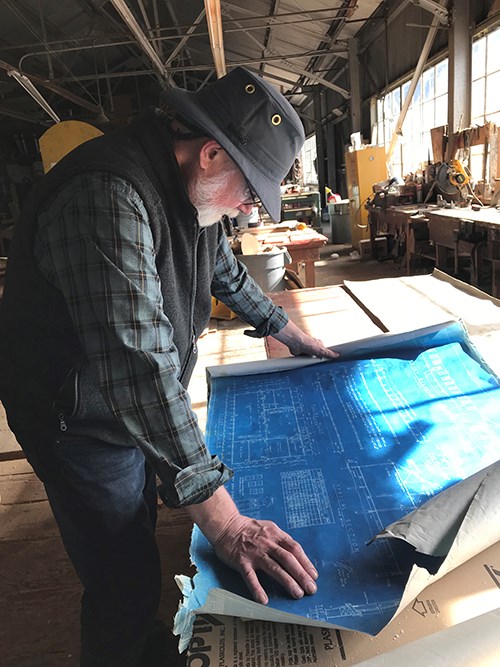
[246, 209]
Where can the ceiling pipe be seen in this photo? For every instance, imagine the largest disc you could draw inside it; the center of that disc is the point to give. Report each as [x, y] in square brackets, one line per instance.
[214, 22]
[200, 68]
[431, 35]
[50, 85]
[141, 38]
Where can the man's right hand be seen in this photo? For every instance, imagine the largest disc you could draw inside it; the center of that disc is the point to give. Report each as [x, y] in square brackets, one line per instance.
[248, 545]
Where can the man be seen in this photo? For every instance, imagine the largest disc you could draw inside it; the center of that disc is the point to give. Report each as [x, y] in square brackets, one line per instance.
[108, 286]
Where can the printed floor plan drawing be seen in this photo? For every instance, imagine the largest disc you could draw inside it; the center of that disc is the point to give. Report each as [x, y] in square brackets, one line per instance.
[337, 451]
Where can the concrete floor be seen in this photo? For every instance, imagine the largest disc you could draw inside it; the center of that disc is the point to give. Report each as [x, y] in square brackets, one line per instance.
[331, 270]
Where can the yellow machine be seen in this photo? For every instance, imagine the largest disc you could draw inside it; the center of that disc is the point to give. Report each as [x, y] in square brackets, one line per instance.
[458, 174]
[452, 180]
[363, 168]
[62, 138]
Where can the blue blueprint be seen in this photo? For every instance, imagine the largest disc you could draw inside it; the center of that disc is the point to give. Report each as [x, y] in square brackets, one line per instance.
[335, 452]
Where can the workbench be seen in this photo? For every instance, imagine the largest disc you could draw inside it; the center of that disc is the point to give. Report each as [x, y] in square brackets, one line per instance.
[475, 235]
[304, 206]
[406, 230]
[461, 241]
[303, 247]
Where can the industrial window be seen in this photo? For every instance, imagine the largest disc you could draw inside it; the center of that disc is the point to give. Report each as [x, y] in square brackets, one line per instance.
[485, 103]
[428, 109]
[309, 158]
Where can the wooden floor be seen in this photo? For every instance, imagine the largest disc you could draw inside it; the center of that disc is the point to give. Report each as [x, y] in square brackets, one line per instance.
[39, 595]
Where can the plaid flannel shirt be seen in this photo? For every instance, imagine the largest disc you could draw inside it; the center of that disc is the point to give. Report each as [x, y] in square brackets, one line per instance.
[112, 289]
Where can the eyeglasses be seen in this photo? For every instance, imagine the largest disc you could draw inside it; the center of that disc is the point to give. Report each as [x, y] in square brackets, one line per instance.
[252, 194]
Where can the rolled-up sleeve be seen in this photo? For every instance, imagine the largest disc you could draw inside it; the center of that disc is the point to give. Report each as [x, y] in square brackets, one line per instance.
[95, 245]
[238, 291]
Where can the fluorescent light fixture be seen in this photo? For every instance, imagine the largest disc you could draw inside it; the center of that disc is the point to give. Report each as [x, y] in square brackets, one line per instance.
[30, 88]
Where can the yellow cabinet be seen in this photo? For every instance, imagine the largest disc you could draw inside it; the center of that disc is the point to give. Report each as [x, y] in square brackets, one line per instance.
[363, 168]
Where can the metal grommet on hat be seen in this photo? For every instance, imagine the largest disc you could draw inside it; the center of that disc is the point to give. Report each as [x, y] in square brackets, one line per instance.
[250, 88]
[276, 119]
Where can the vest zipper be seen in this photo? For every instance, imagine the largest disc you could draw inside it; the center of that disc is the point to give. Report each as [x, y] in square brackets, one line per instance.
[62, 423]
[195, 283]
[61, 416]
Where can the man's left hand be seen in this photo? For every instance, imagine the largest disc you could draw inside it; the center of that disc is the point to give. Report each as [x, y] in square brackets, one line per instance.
[299, 342]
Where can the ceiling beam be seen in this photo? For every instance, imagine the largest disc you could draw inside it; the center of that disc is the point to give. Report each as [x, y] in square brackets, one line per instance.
[185, 38]
[269, 36]
[149, 27]
[19, 115]
[292, 67]
[180, 29]
[336, 25]
[129, 19]
[115, 40]
[216, 35]
[50, 85]
[431, 35]
[195, 68]
[32, 90]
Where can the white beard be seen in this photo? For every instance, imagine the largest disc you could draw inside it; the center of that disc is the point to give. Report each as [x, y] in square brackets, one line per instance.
[204, 194]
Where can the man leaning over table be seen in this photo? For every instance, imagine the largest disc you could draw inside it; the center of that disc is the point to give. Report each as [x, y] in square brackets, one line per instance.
[108, 287]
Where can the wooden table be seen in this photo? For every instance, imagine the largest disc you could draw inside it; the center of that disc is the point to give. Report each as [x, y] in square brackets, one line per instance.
[474, 234]
[361, 309]
[327, 313]
[40, 585]
[302, 245]
[448, 237]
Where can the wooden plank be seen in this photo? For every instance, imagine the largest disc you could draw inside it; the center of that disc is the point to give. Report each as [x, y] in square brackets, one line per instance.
[21, 489]
[412, 302]
[28, 521]
[438, 143]
[327, 313]
[8, 443]
[40, 590]
[19, 484]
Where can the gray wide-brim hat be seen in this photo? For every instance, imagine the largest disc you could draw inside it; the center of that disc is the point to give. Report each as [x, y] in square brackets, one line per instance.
[254, 124]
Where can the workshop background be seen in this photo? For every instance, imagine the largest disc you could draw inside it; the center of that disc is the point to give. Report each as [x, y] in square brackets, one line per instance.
[400, 101]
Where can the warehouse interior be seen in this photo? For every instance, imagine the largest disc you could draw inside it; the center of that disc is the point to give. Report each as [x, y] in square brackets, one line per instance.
[399, 177]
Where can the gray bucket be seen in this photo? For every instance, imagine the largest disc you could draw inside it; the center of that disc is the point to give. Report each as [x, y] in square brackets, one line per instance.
[340, 222]
[268, 268]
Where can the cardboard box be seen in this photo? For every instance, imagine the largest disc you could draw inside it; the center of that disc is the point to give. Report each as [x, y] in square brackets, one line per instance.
[467, 592]
[365, 247]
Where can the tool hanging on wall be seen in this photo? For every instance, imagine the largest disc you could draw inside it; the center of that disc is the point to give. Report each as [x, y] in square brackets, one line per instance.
[458, 174]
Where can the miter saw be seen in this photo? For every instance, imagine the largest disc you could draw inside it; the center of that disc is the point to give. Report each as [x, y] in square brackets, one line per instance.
[452, 179]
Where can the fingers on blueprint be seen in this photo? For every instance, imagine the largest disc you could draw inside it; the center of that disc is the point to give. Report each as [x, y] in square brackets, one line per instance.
[253, 546]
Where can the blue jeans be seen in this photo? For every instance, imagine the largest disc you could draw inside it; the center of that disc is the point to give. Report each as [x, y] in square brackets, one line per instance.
[104, 501]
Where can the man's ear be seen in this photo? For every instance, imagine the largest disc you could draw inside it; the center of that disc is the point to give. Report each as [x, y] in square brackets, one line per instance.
[209, 154]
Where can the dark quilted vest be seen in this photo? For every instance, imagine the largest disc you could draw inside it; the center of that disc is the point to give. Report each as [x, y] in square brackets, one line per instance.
[39, 350]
